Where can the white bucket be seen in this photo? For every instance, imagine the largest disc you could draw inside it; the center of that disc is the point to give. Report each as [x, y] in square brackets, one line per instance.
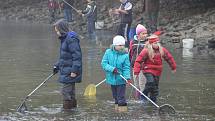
[188, 43]
[99, 24]
[187, 53]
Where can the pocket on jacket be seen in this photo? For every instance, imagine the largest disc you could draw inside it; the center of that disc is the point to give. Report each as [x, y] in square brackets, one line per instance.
[66, 71]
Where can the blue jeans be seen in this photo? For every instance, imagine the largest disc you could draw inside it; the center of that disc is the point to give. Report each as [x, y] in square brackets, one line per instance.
[68, 14]
[151, 86]
[118, 92]
[91, 29]
[123, 30]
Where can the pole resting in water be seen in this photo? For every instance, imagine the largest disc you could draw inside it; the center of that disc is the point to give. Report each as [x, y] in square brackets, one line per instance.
[23, 107]
[165, 108]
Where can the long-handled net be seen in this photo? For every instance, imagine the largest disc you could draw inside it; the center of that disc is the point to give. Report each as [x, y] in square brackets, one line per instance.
[91, 89]
[166, 108]
[23, 107]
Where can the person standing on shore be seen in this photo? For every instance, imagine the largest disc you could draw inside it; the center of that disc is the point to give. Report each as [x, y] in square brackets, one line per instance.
[125, 12]
[91, 13]
[53, 6]
[65, 4]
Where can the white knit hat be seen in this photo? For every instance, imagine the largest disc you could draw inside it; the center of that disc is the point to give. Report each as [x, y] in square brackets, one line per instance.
[118, 40]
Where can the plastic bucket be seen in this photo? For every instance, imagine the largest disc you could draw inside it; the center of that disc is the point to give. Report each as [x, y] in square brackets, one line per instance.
[188, 43]
[99, 24]
[187, 53]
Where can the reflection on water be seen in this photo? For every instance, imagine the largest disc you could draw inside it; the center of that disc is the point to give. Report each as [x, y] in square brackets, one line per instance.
[28, 51]
[187, 53]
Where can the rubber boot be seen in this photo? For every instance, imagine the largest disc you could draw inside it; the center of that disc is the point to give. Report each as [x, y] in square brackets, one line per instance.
[122, 109]
[69, 104]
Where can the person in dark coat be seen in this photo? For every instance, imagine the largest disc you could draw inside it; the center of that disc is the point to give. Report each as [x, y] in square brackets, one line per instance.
[91, 13]
[125, 12]
[66, 5]
[53, 6]
[69, 64]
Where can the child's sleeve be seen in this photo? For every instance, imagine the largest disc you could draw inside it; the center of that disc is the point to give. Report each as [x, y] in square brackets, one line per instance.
[87, 9]
[130, 50]
[169, 59]
[128, 6]
[105, 63]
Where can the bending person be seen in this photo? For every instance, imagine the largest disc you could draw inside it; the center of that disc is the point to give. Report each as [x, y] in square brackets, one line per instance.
[150, 59]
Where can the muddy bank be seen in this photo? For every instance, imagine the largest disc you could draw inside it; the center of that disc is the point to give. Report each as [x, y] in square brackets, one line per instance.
[178, 19]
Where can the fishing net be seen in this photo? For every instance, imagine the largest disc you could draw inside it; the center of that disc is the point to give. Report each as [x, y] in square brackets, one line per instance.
[90, 90]
[22, 107]
[166, 109]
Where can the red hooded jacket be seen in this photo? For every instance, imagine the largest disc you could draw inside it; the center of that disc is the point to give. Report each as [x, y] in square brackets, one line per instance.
[155, 66]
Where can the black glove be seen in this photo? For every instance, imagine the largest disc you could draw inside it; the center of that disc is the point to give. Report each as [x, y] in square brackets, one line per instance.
[55, 69]
[115, 71]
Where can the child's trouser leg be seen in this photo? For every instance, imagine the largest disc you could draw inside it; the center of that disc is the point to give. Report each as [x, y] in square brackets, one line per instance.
[114, 93]
[122, 104]
[121, 95]
[68, 92]
[155, 89]
[148, 85]
[142, 81]
[118, 92]
[136, 84]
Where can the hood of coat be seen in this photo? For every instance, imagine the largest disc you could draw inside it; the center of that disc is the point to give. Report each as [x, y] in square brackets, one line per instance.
[71, 34]
[122, 51]
[62, 26]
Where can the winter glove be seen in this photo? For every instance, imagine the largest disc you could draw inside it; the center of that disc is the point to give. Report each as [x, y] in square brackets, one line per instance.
[115, 71]
[129, 81]
[55, 70]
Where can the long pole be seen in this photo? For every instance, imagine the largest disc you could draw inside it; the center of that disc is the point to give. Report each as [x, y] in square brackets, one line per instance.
[23, 103]
[71, 6]
[100, 82]
[140, 92]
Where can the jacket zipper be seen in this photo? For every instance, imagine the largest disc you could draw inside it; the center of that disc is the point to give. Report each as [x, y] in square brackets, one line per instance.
[116, 66]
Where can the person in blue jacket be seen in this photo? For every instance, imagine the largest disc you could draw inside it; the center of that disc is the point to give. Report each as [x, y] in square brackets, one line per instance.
[69, 63]
[115, 62]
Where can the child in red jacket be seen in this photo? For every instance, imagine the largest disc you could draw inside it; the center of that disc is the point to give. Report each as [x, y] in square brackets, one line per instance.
[136, 46]
[150, 59]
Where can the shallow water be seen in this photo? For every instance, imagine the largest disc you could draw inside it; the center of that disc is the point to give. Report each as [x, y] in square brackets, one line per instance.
[27, 53]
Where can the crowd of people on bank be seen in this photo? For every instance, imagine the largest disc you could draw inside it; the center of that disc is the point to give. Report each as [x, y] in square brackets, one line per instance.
[90, 12]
